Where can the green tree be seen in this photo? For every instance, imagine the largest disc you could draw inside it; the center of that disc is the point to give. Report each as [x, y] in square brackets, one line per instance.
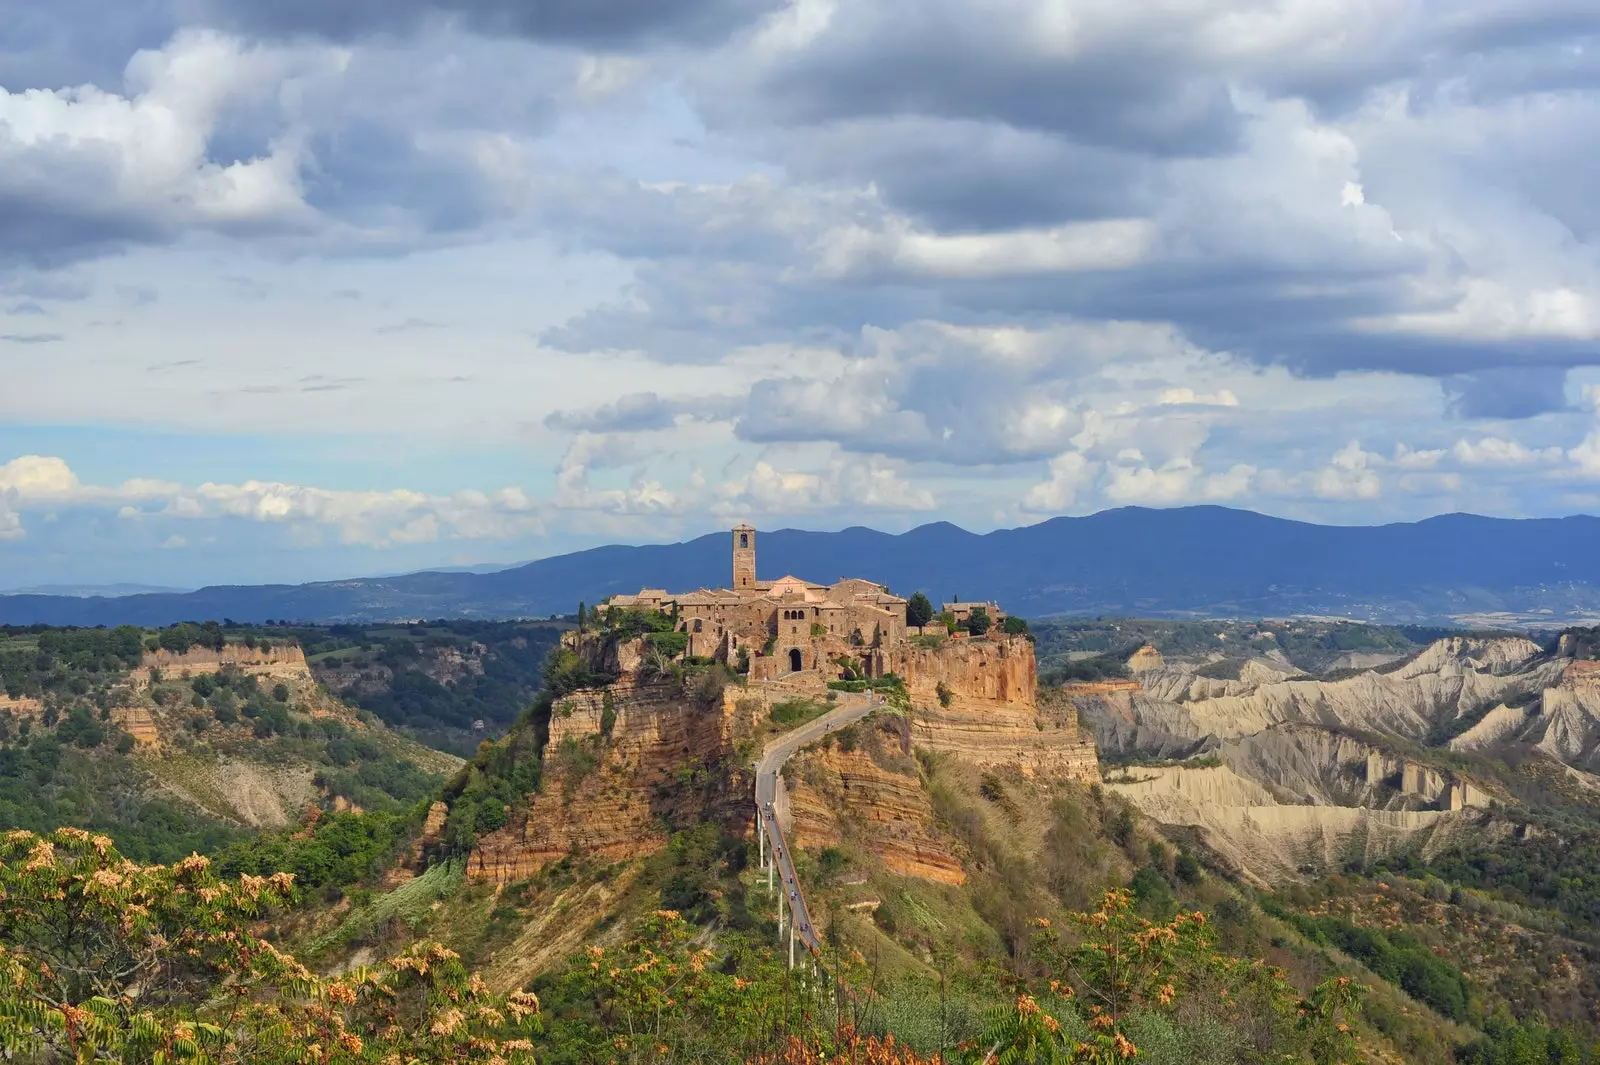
[979, 621]
[919, 610]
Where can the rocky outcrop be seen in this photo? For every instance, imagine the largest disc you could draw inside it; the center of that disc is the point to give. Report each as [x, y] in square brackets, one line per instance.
[1269, 841]
[975, 674]
[978, 700]
[839, 793]
[138, 723]
[1176, 712]
[283, 663]
[1145, 659]
[1302, 781]
[620, 763]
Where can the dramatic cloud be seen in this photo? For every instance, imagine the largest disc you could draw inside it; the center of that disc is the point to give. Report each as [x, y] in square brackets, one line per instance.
[663, 264]
[595, 23]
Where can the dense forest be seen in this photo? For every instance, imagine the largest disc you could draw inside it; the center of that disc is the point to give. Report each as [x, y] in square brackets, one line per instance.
[448, 683]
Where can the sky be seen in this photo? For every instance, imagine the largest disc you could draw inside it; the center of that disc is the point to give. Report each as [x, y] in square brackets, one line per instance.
[292, 290]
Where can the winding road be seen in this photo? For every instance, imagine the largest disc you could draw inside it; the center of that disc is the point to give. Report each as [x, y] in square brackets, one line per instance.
[850, 709]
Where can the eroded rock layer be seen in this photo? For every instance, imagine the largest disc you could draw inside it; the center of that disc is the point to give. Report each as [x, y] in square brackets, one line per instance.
[978, 700]
[620, 764]
[884, 808]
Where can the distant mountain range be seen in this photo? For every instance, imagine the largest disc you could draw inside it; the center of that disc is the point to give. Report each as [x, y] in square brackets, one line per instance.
[104, 591]
[1201, 561]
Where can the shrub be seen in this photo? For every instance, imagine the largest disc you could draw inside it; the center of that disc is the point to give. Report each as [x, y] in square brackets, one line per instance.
[671, 644]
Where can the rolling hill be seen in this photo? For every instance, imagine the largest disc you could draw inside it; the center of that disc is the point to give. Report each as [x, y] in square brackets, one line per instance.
[1193, 560]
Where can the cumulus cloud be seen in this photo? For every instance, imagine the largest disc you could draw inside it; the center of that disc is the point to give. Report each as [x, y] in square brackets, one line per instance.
[1493, 451]
[844, 483]
[85, 169]
[1108, 253]
[370, 518]
[1349, 475]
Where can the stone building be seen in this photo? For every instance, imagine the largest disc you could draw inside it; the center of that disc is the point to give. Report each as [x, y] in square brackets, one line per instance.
[961, 612]
[786, 625]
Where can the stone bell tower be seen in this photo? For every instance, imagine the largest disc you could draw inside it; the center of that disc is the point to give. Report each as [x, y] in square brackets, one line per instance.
[744, 557]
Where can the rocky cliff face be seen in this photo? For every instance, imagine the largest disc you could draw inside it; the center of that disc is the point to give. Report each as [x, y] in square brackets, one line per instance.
[1268, 841]
[1176, 712]
[978, 700]
[619, 763]
[840, 794]
[1305, 770]
[284, 663]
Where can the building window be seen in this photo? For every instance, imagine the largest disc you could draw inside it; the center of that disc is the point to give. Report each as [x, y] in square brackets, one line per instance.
[696, 624]
[744, 539]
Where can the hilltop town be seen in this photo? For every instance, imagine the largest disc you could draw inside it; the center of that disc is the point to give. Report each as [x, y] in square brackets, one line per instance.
[772, 628]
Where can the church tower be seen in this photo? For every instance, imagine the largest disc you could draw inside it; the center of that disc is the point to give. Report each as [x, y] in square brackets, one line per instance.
[744, 557]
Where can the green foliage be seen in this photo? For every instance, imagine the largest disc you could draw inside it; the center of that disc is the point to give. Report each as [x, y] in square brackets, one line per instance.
[38, 661]
[566, 671]
[105, 960]
[44, 785]
[1151, 891]
[919, 610]
[180, 638]
[1113, 666]
[1015, 626]
[797, 711]
[1120, 970]
[1508, 1043]
[1396, 957]
[1558, 869]
[81, 728]
[630, 623]
[338, 850]
[944, 693]
[699, 863]
[502, 775]
[671, 644]
[1222, 669]
[410, 677]
[979, 621]
[409, 906]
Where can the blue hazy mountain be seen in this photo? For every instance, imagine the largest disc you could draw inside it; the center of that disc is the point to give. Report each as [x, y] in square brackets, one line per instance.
[1192, 560]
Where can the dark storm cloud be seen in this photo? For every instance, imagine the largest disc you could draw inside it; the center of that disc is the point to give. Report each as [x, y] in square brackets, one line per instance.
[942, 58]
[1509, 392]
[592, 23]
[959, 175]
[62, 43]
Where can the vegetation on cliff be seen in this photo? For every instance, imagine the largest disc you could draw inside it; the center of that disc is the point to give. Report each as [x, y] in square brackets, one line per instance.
[190, 759]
